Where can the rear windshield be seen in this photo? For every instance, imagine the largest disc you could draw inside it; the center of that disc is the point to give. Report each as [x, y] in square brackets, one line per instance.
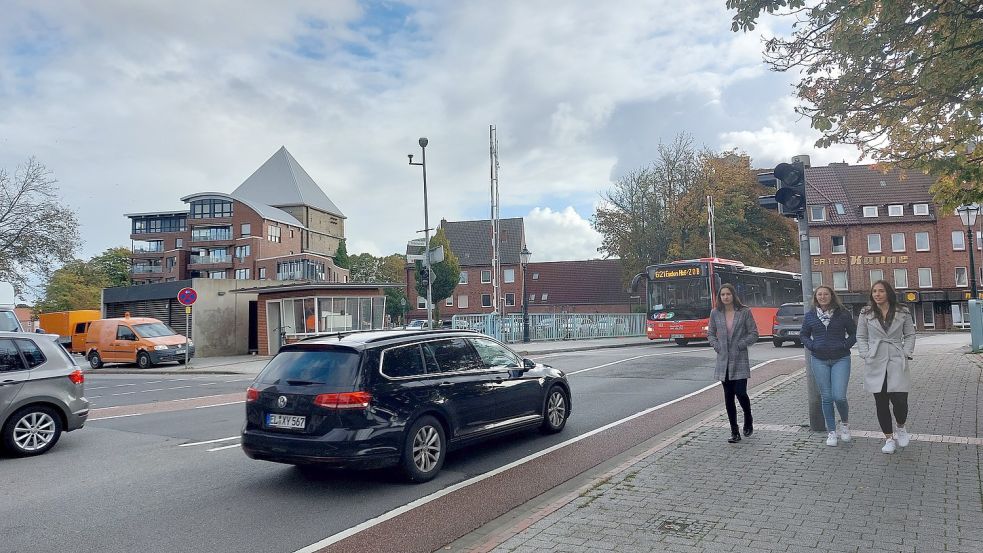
[787, 310]
[8, 322]
[334, 367]
[153, 330]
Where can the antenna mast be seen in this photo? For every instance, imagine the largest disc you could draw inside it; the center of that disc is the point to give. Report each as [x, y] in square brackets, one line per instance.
[496, 262]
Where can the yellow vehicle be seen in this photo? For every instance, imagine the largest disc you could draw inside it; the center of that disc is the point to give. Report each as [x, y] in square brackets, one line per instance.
[70, 326]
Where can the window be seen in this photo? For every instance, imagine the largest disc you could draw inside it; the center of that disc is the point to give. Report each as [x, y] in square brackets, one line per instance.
[485, 277]
[243, 251]
[958, 240]
[532, 297]
[873, 243]
[486, 300]
[509, 299]
[928, 314]
[242, 274]
[897, 242]
[875, 275]
[262, 273]
[545, 296]
[839, 208]
[216, 274]
[124, 333]
[535, 276]
[449, 302]
[291, 233]
[402, 362]
[421, 302]
[920, 209]
[817, 280]
[817, 213]
[839, 244]
[212, 207]
[895, 210]
[508, 275]
[840, 281]
[32, 354]
[921, 241]
[924, 277]
[961, 277]
[203, 234]
[273, 233]
[464, 278]
[10, 359]
[814, 245]
[245, 230]
[870, 211]
[494, 355]
[462, 301]
[179, 243]
[171, 262]
[452, 356]
[901, 278]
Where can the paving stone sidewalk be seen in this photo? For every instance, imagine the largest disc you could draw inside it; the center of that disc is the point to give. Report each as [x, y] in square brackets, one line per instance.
[784, 490]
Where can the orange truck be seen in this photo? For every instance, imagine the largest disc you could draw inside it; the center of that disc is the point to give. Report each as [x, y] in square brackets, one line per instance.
[70, 326]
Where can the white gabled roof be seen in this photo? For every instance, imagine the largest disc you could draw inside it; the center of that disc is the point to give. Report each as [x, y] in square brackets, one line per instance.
[281, 181]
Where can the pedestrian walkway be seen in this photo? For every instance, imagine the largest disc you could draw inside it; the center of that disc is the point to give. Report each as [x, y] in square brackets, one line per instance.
[783, 489]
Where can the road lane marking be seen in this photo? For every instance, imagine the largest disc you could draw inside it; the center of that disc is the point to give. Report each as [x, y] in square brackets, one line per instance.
[571, 373]
[220, 404]
[199, 397]
[164, 389]
[114, 417]
[223, 447]
[126, 393]
[474, 480]
[166, 406]
[210, 441]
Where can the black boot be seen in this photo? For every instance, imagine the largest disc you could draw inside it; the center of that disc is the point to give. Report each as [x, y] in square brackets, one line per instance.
[734, 438]
[748, 429]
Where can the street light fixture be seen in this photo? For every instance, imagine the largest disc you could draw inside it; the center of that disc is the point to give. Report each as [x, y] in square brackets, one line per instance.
[524, 256]
[426, 229]
[968, 213]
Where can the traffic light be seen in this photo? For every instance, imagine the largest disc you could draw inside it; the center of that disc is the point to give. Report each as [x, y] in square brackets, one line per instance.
[424, 275]
[791, 194]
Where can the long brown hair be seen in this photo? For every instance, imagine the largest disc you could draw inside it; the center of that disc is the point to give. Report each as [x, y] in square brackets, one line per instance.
[834, 301]
[892, 301]
[733, 292]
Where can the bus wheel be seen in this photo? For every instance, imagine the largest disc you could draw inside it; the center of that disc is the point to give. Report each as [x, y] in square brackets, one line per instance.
[681, 341]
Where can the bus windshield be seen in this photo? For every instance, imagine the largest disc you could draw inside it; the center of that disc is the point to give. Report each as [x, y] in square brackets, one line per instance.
[679, 299]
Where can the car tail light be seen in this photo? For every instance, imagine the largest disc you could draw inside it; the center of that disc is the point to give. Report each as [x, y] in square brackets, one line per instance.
[77, 376]
[774, 320]
[345, 400]
[252, 394]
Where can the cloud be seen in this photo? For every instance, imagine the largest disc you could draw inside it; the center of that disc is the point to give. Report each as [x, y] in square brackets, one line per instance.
[560, 235]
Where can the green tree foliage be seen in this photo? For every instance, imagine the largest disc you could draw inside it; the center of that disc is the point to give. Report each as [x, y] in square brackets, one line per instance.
[391, 269]
[114, 263]
[363, 267]
[341, 258]
[78, 284]
[659, 213]
[447, 273]
[903, 81]
[36, 229]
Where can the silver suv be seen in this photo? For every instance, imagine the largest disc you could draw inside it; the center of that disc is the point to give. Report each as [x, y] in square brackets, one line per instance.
[787, 324]
[42, 393]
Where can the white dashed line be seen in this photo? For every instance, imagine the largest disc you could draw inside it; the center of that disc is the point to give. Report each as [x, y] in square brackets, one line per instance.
[223, 447]
[220, 404]
[210, 441]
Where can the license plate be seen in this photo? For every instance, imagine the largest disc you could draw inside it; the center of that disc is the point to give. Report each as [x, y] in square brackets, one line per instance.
[180, 352]
[793, 332]
[674, 336]
[285, 421]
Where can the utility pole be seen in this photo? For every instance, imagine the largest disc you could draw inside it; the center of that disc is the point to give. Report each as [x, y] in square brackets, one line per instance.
[426, 230]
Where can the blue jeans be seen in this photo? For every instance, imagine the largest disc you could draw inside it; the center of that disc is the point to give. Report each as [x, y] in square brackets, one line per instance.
[832, 377]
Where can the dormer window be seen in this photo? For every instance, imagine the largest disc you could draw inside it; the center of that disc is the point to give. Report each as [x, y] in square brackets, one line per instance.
[870, 211]
[896, 210]
[920, 209]
[817, 213]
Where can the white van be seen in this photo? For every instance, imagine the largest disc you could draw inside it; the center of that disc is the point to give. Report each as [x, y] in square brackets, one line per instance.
[8, 317]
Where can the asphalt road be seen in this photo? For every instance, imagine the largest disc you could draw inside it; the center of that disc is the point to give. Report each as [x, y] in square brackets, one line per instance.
[158, 467]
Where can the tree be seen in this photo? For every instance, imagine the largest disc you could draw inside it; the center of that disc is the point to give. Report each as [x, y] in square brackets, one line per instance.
[341, 258]
[78, 284]
[363, 267]
[114, 265]
[36, 229]
[903, 81]
[447, 273]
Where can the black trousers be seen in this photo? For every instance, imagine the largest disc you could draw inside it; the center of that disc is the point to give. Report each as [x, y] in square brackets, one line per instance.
[897, 399]
[737, 389]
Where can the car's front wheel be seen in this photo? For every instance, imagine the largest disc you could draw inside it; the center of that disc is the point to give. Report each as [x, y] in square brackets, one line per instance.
[143, 360]
[32, 431]
[424, 450]
[556, 412]
[94, 360]
[777, 343]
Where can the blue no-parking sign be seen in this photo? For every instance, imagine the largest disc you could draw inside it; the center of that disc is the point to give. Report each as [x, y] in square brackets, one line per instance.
[187, 296]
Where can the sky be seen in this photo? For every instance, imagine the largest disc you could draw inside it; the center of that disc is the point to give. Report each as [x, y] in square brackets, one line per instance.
[133, 104]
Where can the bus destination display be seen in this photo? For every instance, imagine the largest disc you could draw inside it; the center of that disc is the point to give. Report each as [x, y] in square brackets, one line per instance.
[676, 272]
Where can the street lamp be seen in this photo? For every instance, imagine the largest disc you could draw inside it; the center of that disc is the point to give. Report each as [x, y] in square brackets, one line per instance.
[426, 230]
[524, 256]
[967, 213]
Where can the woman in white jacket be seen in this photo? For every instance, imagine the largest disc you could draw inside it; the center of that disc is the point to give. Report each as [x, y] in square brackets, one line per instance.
[886, 340]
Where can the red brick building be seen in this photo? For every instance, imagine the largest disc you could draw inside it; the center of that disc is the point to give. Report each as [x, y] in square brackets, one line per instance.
[277, 225]
[591, 286]
[866, 225]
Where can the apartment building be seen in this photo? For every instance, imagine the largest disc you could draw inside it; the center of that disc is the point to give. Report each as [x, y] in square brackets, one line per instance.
[277, 225]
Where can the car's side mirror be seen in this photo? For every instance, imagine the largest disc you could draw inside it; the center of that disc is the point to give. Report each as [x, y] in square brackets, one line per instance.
[528, 364]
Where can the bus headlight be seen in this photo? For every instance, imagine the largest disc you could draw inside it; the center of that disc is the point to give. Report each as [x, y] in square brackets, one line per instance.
[706, 328]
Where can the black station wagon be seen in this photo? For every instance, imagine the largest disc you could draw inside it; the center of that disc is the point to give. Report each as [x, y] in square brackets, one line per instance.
[396, 398]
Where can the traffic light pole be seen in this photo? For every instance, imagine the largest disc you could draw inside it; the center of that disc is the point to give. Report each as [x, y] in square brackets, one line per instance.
[816, 420]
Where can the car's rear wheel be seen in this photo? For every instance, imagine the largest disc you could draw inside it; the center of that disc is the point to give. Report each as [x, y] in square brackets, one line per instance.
[143, 360]
[32, 431]
[94, 360]
[777, 342]
[681, 341]
[556, 412]
[424, 450]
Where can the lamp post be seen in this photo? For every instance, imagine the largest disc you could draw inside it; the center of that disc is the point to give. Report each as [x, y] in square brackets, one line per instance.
[968, 214]
[524, 256]
[426, 230]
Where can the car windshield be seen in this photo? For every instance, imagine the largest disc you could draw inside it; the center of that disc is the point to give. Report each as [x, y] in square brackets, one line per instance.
[679, 299]
[787, 310]
[153, 330]
[8, 322]
[333, 367]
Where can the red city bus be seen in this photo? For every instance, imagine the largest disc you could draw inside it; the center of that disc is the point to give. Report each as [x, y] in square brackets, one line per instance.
[682, 293]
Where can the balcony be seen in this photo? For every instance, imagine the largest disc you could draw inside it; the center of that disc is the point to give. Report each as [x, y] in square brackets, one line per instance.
[146, 269]
[210, 260]
[211, 234]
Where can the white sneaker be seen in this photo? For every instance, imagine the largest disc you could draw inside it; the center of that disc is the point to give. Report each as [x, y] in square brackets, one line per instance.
[902, 436]
[889, 446]
[845, 432]
[831, 439]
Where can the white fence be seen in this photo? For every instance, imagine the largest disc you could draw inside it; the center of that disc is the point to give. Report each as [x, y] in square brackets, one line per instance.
[554, 326]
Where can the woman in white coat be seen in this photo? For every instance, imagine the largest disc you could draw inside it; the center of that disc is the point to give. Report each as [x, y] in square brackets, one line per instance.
[886, 340]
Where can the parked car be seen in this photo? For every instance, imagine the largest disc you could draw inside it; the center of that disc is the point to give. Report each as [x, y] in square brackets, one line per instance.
[787, 324]
[141, 340]
[42, 393]
[396, 398]
[418, 324]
